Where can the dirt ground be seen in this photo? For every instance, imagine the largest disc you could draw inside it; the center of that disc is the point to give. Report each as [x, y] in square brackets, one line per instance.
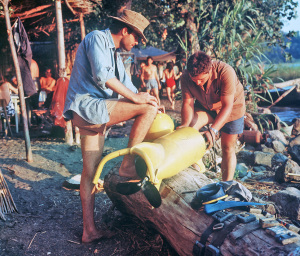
[49, 220]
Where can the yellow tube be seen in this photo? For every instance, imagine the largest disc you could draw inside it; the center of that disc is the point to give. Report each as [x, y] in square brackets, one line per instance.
[105, 159]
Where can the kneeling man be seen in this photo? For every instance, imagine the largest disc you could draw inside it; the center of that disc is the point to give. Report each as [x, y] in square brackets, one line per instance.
[212, 94]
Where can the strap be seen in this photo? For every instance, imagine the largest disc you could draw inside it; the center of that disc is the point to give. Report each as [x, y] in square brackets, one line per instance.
[246, 229]
[207, 232]
[220, 236]
[214, 148]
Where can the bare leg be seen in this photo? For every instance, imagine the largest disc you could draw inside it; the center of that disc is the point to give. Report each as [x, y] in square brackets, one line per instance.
[200, 119]
[92, 147]
[156, 95]
[228, 165]
[144, 115]
[169, 95]
[173, 96]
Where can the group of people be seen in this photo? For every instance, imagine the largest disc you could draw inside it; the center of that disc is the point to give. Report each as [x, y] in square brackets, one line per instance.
[152, 82]
[45, 87]
[100, 94]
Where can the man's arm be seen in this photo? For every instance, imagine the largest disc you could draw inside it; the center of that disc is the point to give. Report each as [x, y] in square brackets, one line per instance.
[13, 89]
[143, 77]
[139, 98]
[187, 112]
[52, 86]
[227, 105]
[157, 79]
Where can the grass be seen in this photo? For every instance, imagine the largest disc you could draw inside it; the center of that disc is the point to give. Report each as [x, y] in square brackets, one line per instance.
[286, 71]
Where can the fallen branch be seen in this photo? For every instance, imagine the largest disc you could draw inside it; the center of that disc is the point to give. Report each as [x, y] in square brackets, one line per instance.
[281, 97]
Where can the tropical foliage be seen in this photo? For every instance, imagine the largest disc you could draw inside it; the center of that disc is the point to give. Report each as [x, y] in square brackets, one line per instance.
[236, 32]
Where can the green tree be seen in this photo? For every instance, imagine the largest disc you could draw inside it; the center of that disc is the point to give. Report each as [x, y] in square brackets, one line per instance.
[234, 31]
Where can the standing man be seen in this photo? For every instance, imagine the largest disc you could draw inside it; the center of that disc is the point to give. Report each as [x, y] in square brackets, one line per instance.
[150, 79]
[98, 76]
[212, 94]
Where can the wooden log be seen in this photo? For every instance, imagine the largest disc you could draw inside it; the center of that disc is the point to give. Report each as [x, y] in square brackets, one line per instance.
[181, 225]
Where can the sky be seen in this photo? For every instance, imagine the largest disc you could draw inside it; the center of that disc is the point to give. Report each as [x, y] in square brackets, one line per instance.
[293, 24]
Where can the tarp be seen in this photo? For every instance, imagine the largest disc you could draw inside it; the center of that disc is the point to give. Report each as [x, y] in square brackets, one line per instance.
[155, 53]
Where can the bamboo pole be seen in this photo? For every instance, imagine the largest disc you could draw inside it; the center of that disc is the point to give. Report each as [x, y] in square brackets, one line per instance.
[60, 40]
[62, 62]
[19, 79]
[282, 96]
[82, 27]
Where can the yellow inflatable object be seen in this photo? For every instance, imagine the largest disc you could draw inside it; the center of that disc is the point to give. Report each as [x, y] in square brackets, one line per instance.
[162, 125]
[165, 156]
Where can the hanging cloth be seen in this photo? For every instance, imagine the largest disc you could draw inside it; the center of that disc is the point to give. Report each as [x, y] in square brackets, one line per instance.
[24, 54]
[58, 101]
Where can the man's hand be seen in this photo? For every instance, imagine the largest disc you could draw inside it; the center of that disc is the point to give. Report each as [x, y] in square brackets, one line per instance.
[210, 137]
[145, 98]
[181, 126]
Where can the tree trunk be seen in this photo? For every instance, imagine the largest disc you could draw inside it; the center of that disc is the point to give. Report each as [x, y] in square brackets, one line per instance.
[62, 61]
[192, 32]
[20, 83]
[181, 225]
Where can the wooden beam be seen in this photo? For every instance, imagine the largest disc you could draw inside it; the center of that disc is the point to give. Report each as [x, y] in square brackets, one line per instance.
[28, 13]
[33, 15]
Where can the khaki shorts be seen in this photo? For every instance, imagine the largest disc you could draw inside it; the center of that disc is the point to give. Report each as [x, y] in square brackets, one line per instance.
[86, 128]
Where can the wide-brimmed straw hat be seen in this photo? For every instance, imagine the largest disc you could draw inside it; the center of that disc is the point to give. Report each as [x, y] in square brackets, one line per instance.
[134, 20]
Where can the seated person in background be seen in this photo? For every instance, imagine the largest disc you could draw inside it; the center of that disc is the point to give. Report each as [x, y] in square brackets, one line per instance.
[48, 85]
[212, 94]
[5, 90]
[13, 88]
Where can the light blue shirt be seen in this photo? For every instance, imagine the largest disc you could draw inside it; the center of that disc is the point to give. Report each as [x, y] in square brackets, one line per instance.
[94, 65]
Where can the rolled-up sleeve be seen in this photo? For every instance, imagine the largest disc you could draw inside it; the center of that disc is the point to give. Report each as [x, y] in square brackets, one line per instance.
[100, 60]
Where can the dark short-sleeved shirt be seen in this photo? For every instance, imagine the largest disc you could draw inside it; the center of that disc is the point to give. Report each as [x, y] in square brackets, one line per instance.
[94, 66]
[223, 82]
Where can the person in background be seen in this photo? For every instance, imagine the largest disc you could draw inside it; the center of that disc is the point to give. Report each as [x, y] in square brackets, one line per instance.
[6, 89]
[161, 67]
[93, 103]
[35, 74]
[170, 78]
[48, 86]
[136, 80]
[150, 78]
[212, 94]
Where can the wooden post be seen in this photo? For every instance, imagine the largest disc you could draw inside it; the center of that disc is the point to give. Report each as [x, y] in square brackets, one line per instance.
[82, 27]
[62, 61]
[19, 79]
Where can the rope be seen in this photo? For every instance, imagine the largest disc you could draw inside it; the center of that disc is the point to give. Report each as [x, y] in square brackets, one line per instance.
[214, 148]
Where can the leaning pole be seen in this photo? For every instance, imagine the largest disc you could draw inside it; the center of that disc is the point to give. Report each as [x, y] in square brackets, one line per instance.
[19, 79]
